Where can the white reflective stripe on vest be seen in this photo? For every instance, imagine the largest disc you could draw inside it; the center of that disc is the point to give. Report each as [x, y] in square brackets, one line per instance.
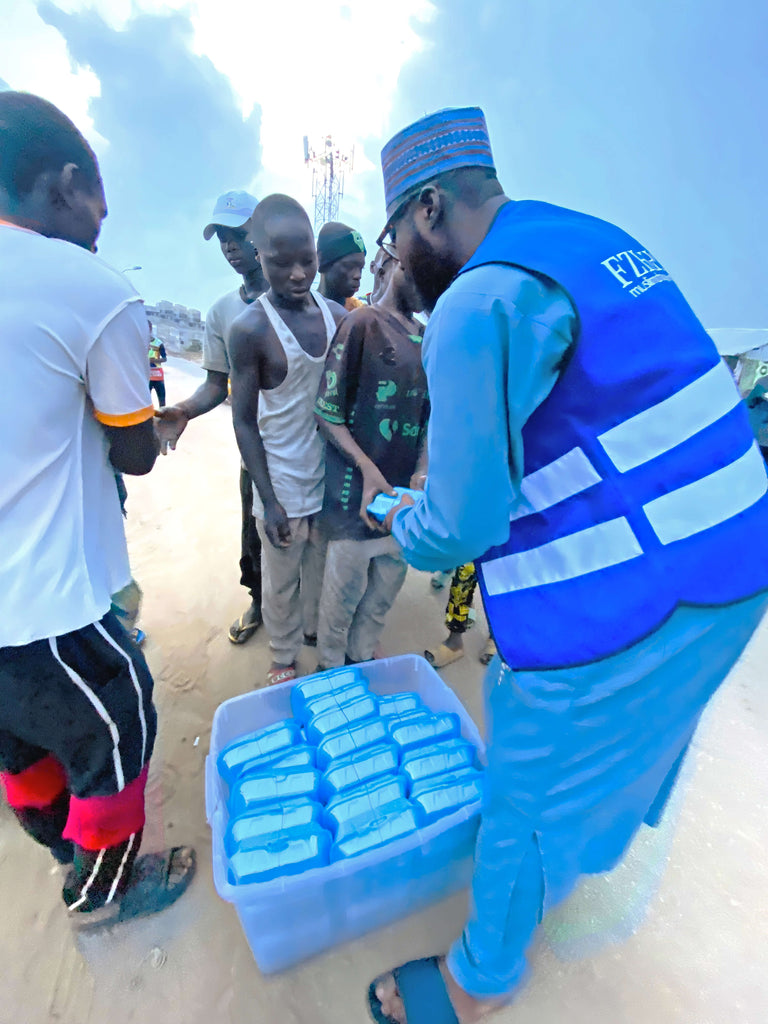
[589, 550]
[709, 500]
[553, 483]
[664, 426]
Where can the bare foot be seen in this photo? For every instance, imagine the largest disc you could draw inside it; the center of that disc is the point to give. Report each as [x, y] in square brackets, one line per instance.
[468, 1009]
[391, 1004]
[455, 642]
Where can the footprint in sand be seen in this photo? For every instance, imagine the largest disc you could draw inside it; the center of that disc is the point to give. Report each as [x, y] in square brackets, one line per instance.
[177, 679]
[162, 785]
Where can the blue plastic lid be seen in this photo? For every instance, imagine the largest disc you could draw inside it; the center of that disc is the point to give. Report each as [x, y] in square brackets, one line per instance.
[437, 759]
[280, 854]
[265, 787]
[333, 699]
[319, 726]
[399, 704]
[253, 745]
[416, 715]
[446, 794]
[421, 732]
[358, 767]
[377, 828]
[354, 737]
[249, 829]
[325, 682]
[300, 756]
[362, 799]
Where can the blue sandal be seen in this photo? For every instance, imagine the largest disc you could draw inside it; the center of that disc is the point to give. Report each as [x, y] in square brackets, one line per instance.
[422, 989]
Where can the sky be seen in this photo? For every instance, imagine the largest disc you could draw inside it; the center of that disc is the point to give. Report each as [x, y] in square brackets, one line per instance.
[647, 114]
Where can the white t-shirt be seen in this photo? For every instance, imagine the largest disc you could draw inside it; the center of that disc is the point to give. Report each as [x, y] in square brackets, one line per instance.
[74, 341]
[217, 323]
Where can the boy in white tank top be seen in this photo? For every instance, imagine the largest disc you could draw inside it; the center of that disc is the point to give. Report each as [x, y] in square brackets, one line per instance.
[277, 350]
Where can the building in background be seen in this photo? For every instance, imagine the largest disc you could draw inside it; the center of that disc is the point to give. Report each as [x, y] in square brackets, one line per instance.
[179, 328]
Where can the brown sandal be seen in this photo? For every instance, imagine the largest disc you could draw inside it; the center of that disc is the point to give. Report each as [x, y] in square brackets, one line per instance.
[489, 652]
[281, 675]
[443, 656]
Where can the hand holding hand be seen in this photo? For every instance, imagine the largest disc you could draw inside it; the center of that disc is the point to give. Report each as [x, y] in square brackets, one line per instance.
[170, 423]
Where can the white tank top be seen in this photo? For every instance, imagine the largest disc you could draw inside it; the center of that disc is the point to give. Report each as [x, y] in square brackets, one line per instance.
[295, 449]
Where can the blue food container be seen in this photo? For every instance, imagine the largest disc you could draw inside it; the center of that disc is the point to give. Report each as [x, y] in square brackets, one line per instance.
[283, 853]
[422, 732]
[344, 741]
[318, 727]
[377, 828]
[262, 743]
[264, 787]
[437, 759]
[373, 796]
[416, 715]
[438, 795]
[399, 704]
[288, 919]
[357, 767]
[300, 756]
[333, 699]
[309, 689]
[246, 830]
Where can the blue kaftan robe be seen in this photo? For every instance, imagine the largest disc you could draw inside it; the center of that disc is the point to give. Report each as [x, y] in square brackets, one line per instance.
[578, 757]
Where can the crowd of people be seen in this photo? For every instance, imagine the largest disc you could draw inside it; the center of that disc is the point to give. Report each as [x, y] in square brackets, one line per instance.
[330, 407]
[573, 442]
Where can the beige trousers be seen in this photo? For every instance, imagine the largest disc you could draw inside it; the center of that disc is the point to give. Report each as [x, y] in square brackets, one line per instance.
[291, 581]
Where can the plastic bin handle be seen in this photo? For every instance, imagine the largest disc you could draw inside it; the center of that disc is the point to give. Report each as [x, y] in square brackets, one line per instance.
[211, 796]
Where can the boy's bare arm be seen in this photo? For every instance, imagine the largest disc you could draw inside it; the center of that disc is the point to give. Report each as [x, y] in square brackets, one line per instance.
[247, 344]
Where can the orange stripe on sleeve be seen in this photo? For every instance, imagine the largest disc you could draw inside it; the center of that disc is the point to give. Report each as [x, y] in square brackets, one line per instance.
[126, 419]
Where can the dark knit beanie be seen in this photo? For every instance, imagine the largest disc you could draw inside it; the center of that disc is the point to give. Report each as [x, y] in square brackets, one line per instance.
[336, 240]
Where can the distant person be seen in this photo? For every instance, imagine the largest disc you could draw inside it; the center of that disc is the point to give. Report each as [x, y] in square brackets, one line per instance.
[230, 223]
[278, 348]
[372, 407]
[77, 722]
[757, 410]
[341, 258]
[157, 356]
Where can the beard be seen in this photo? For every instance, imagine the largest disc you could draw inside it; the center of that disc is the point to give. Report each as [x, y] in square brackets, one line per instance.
[430, 271]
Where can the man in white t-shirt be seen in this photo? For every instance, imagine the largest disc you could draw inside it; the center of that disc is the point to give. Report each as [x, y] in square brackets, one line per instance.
[77, 723]
[230, 223]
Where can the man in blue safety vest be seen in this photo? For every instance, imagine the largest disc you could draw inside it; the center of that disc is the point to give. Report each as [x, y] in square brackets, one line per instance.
[606, 500]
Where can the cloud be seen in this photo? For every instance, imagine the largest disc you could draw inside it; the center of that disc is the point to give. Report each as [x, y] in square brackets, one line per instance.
[636, 113]
[175, 137]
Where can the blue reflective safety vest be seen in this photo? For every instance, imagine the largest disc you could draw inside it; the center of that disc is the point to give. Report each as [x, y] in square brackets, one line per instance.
[642, 485]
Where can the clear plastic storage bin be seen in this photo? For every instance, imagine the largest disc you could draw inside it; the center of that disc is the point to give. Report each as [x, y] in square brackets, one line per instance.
[291, 918]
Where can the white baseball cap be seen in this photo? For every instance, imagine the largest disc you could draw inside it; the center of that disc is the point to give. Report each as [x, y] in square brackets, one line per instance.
[232, 210]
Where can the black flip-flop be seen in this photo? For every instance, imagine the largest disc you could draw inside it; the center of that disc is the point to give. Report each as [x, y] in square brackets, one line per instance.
[240, 631]
[151, 889]
[422, 989]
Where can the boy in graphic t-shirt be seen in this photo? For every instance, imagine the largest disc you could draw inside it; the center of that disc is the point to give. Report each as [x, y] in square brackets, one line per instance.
[372, 406]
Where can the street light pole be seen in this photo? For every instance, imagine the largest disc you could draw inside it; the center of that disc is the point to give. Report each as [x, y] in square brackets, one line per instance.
[129, 269]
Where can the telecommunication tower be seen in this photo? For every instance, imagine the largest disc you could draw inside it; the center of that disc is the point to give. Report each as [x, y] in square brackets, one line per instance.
[328, 164]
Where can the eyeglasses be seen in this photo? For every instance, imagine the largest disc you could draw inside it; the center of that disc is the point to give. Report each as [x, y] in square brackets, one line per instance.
[390, 247]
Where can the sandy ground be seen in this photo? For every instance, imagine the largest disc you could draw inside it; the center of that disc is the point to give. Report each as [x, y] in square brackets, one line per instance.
[677, 935]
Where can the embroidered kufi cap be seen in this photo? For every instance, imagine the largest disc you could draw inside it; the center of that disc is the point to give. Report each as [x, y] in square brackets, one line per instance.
[443, 141]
